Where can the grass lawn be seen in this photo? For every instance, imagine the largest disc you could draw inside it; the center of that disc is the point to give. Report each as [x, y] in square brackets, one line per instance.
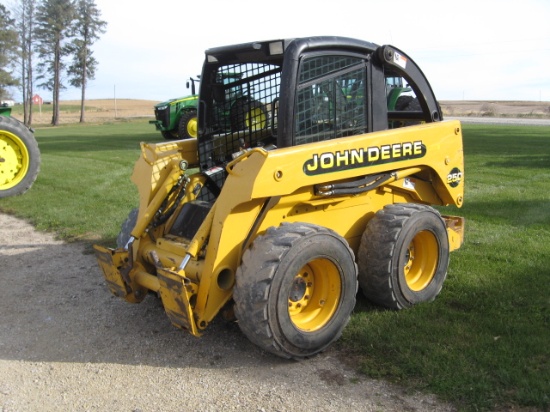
[483, 344]
[84, 190]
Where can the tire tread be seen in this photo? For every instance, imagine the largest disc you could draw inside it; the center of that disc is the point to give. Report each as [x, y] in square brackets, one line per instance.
[255, 277]
[377, 249]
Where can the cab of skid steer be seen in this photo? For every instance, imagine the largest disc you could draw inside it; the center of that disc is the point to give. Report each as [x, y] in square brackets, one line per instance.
[357, 88]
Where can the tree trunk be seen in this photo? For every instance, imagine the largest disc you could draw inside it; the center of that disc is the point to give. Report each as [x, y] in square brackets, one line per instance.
[24, 87]
[82, 101]
[26, 10]
[56, 83]
[30, 87]
[83, 95]
[30, 90]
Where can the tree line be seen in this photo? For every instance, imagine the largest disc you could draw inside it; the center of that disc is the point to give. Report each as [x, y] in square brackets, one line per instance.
[46, 43]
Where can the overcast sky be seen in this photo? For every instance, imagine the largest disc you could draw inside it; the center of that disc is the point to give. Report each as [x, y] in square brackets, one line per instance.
[472, 50]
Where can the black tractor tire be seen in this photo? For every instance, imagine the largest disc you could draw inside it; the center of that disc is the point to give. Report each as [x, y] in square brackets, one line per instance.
[248, 115]
[126, 229]
[171, 135]
[407, 104]
[19, 157]
[187, 128]
[403, 256]
[295, 289]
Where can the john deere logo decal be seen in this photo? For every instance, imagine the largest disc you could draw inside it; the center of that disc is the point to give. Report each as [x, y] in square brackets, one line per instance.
[329, 162]
[454, 177]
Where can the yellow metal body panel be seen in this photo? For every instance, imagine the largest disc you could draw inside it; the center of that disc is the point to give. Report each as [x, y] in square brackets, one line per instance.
[283, 170]
[266, 188]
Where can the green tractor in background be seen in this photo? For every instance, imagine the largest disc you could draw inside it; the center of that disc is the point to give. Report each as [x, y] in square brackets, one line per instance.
[19, 155]
[238, 110]
[177, 118]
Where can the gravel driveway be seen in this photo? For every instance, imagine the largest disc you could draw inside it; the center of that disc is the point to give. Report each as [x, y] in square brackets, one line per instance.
[67, 345]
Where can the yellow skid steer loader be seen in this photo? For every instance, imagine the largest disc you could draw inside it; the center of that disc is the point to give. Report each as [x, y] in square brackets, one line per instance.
[280, 214]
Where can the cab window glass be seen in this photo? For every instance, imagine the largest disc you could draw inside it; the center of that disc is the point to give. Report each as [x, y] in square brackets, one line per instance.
[330, 100]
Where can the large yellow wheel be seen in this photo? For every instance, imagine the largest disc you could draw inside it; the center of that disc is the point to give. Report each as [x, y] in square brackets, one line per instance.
[314, 295]
[248, 115]
[295, 289]
[19, 157]
[404, 256]
[420, 265]
[256, 118]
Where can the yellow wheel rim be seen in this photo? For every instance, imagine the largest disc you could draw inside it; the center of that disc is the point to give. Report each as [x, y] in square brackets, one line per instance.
[255, 119]
[192, 127]
[421, 261]
[314, 295]
[14, 160]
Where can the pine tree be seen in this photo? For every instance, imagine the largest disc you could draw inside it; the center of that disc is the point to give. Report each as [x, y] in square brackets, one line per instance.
[53, 24]
[86, 30]
[8, 51]
[25, 16]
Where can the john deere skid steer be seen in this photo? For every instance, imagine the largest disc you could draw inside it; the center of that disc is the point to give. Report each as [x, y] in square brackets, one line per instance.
[278, 221]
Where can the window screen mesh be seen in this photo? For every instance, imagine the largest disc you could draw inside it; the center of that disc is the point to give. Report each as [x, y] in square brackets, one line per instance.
[243, 99]
[330, 100]
[239, 114]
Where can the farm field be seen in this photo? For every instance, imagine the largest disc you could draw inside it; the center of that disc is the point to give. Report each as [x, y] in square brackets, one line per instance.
[106, 110]
[488, 108]
[97, 111]
[481, 345]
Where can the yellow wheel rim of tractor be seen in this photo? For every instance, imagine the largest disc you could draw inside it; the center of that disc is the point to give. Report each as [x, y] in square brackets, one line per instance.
[255, 119]
[14, 160]
[315, 295]
[192, 127]
[421, 260]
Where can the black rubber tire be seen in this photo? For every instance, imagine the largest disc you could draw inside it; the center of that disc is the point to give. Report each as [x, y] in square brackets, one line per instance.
[13, 136]
[407, 104]
[126, 229]
[183, 130]
[403, 256]
[172, 135]
[242, 109]
[274, 266]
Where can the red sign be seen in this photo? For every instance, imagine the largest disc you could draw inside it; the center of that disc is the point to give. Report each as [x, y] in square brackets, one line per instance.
[36, 99]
